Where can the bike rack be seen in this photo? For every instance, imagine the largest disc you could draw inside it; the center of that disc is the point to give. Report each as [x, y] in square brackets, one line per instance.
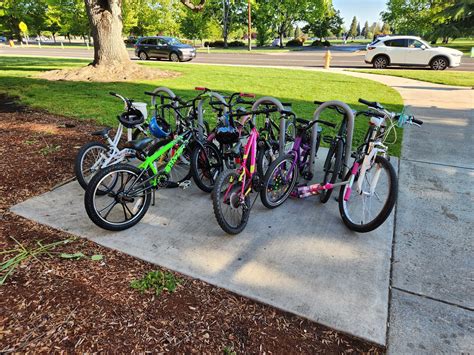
[280, 107]
[200, 113]
[350, 131]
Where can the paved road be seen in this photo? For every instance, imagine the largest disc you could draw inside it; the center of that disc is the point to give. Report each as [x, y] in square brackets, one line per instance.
[307, 58]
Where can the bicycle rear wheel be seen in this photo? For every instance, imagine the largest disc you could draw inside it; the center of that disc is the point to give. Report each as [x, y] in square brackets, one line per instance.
[332, 167]
[206, 165]
[126, 202]
[279, 181]
[365, 211]
[231, 211]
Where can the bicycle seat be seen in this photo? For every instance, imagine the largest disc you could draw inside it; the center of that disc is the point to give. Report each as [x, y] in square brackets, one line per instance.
[102, 132]
[138, 144]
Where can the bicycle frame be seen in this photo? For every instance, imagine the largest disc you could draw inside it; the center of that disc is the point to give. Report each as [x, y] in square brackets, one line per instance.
[182, 140]
[245, 175]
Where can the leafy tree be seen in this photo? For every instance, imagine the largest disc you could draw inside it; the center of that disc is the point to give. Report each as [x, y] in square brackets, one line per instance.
[409, 16]
[386, 28]
[366, 30]
[262, 18]
[358, 29]
[196, 25]
[353, 28]
[330, 23]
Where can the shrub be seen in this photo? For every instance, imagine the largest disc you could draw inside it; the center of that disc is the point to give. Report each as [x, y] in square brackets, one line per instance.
[296, 42]
[220, 44]
[319, 43]
[236, 44]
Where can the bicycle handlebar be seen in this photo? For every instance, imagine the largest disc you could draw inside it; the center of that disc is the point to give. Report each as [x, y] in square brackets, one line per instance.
[416, 121]
[373, 104]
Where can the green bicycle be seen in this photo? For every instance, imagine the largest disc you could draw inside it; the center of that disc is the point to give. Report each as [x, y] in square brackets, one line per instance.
[130, 189]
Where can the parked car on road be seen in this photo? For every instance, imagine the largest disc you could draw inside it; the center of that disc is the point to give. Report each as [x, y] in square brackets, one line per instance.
[162, 47]
[410, 51]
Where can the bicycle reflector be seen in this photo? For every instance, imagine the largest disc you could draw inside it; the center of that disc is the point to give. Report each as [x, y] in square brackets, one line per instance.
[159, 127]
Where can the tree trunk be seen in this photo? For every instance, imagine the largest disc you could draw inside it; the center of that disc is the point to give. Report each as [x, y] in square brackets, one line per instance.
[105, 18]
[226, 21]
[280, 34]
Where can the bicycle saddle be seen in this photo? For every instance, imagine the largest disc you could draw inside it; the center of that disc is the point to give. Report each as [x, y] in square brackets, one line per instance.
[138, 144]
[102, 132]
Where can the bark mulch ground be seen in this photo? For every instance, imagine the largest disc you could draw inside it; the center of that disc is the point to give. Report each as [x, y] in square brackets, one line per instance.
[56, 304]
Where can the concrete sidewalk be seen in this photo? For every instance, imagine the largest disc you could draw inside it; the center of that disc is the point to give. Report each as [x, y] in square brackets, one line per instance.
[432, 300]
[299, 257]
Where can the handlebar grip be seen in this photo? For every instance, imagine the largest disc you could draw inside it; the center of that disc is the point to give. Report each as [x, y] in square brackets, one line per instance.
[330, 124]
[318, 102]
[244, 94]
[201, 88]
[414, 120]
[113, 93]
[373, 104]
[287, 112]
[289, 104]
[151, 93]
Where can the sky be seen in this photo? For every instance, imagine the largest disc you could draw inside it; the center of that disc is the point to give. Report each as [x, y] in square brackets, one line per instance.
[364, 10]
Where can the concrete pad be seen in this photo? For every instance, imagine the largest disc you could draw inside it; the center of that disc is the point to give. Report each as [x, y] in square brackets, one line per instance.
[299, 257]
[434, 248]
[423, 326]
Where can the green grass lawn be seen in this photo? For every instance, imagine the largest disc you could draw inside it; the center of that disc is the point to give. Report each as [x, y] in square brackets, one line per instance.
[244, 50]
[18, 76]
[463, 44]
[446, 77]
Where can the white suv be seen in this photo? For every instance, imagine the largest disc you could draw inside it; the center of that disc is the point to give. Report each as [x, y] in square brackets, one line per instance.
[409, 50]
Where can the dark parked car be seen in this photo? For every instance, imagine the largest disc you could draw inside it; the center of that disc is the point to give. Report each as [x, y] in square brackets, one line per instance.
[164, 48]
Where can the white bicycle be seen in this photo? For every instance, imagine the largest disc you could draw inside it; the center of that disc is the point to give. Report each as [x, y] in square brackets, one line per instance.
[96, 155]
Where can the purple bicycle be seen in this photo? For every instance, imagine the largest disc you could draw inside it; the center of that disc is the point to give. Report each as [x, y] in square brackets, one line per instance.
[283, 173]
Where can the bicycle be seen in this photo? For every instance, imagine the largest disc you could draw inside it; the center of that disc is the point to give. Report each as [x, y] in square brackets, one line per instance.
[222, 147]
[130, 189]
[230, 197]
[283, 173]
[370, 170]
[95, 155]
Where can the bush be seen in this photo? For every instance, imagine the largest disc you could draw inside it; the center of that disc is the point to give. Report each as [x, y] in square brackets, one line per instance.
[236, 44]
[297, 42]
[319, 43]
[220, 44]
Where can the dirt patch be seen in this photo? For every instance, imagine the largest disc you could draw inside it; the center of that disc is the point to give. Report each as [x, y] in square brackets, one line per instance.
[107, 73]
[82, 305]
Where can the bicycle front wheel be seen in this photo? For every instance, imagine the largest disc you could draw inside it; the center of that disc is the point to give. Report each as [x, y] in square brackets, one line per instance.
[126, 202]
[365, 210]
[279, 181]
[230, 208]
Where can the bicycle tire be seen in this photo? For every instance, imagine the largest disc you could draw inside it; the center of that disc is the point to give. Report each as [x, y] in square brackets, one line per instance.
[268, 176]
[80, 157]
[387, 208]
[89, 198]
[262, 156]
[331, 176]
[217, 195]
[197, 162]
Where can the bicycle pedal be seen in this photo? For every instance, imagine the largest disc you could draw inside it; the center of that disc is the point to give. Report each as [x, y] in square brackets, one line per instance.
[185, 184]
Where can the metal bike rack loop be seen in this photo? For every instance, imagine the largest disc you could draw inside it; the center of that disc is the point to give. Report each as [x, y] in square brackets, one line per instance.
[171, 94]
[200, 113]
[272, 101]
[350, 131]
